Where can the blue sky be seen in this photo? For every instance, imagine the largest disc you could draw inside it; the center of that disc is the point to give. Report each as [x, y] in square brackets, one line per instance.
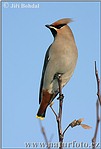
[25, 40]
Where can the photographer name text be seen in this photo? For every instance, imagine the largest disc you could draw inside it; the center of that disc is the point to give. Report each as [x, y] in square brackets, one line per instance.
[21, 5]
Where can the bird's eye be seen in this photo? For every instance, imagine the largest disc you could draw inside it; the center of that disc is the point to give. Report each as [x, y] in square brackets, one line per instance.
[59, 26]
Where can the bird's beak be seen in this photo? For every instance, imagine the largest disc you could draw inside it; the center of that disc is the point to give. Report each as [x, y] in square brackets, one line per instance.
[51, 27]
[48, 26]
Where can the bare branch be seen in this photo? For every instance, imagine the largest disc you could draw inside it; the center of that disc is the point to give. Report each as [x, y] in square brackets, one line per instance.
[66, 129]
[98, 84]
[98, 104]
[60, 98]
[76, 123]
[59, 115]
[44, 134]
[53, 111]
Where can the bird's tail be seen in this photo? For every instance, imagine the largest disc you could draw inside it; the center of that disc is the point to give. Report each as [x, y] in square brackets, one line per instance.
[41, 112]
[46, 99]
[41, 116]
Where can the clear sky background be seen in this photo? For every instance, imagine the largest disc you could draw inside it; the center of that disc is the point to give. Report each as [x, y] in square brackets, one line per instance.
[25, 40]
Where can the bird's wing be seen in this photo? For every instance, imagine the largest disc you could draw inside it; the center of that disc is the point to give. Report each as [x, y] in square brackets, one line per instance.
[43, 72]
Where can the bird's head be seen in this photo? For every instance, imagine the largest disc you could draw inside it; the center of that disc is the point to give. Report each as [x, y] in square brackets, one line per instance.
[58, 25]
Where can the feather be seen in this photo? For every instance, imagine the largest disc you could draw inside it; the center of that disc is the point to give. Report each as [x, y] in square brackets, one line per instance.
[62, 21]
[43, 72]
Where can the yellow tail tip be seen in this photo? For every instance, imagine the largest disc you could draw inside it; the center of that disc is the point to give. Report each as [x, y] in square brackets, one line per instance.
[40, 117]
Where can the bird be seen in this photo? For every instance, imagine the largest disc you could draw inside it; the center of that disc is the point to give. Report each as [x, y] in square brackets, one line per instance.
[60, 58]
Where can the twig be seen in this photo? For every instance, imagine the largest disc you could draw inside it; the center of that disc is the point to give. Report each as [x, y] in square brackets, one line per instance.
[98, 104]
[76, 123]
[59, 116]
[98, 84]
[44, 134]
[53, 111]
[66, 129]
[60, 98]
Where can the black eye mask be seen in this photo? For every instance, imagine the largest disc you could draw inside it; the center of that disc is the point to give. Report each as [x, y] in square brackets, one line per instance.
[54, 32]
[59, 26]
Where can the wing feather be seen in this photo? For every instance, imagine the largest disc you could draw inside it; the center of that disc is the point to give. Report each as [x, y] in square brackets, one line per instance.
[43, 72]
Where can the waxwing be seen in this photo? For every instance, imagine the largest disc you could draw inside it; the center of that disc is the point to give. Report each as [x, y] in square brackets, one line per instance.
[60, 58]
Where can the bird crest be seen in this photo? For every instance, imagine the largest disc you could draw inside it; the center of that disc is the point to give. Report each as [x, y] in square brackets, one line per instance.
[62, 21]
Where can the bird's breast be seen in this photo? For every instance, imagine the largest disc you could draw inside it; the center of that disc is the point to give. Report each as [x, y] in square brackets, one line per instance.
[63, 57]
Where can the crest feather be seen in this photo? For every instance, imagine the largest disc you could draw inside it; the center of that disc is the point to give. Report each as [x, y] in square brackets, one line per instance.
[62, 21]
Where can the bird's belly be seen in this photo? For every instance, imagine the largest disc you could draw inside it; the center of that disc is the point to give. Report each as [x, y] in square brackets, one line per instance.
[64, 66]
[60, 64]
[54, 87]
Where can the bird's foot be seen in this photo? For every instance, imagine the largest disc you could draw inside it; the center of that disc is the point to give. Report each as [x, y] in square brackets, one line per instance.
[57, 76]
[60, 97]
